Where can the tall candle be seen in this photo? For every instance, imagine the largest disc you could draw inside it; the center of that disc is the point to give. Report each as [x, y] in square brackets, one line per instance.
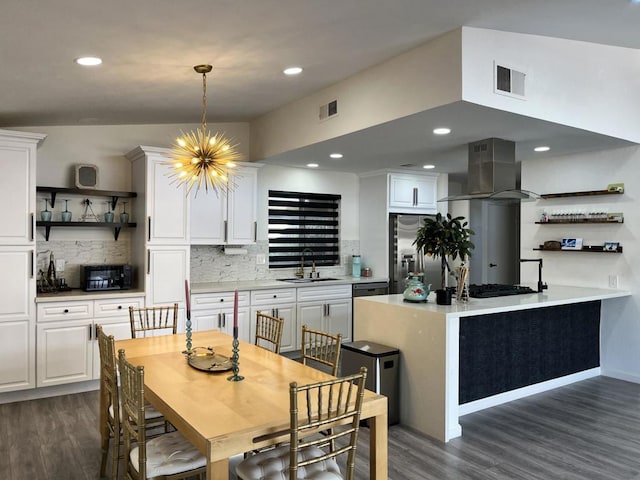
[235, 315]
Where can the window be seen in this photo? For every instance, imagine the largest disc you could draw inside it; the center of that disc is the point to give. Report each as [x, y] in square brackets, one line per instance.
[303, 225]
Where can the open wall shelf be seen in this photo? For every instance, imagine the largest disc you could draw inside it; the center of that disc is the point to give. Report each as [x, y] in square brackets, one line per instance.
[116, 226]
[588, 193]
[589, 249]
[86, 192]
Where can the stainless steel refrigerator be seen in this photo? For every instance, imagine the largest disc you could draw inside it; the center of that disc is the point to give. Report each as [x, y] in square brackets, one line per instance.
[403, 256]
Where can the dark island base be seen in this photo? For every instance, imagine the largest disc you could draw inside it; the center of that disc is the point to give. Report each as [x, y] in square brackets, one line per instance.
[504, 351]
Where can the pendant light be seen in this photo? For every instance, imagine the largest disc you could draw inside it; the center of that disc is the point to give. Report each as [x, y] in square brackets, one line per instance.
[201, 159]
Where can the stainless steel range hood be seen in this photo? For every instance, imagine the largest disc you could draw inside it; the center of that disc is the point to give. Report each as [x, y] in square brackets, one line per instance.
[492, 172]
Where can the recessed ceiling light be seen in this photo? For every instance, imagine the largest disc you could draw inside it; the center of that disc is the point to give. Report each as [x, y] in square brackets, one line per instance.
[542, 148]
[88, 61]
[312, 165]
[292, 71]
[336, 155]
[428, 167]
[442, 131]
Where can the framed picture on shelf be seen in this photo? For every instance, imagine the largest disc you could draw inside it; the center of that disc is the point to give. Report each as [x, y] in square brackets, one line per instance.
[611, 246]
[571, 244]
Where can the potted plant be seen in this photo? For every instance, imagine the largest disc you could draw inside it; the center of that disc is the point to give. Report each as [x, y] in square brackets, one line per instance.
[444, 237]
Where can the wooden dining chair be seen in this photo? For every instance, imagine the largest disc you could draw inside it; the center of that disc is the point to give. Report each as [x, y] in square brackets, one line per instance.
[110, 410]
[146, 319]
[333, 405]
[268, 331]
[167, 456]
[321, 347]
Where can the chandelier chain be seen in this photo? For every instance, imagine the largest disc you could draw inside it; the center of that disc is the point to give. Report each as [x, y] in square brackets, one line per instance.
[204, 101]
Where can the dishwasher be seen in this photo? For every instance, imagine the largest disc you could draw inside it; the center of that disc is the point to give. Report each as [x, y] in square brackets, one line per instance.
[366, 289]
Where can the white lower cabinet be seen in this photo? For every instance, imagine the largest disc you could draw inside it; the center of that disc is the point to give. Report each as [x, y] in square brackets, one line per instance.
[214, 311]
[17, 355]
[327, 309]
[279, 303]
[67, 349]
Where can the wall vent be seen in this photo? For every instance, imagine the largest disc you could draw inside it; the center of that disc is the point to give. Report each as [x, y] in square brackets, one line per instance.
[328, 110]
[508, 81]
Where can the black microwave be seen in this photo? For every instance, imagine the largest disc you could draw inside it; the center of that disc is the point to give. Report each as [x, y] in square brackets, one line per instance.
[106, 277]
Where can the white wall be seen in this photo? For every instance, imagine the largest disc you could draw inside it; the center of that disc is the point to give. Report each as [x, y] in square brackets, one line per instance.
[592, 171]
[583, 85]
[426, 77]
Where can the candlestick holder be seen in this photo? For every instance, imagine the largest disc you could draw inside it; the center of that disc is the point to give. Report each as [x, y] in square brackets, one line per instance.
[188, 334]
[235, 363]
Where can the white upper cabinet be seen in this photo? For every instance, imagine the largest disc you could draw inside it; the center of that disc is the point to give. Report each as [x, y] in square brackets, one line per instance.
[226, 218]
[161, 204]
[18, 192]
[412, 193]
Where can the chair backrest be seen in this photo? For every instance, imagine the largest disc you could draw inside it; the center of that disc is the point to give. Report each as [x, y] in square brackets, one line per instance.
[321, 347]
[333, 405]
[144, 319]
[133, 424]
[109, 394]
[268, 332]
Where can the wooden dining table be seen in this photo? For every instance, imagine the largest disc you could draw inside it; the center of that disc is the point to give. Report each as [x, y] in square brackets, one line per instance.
[224, 418]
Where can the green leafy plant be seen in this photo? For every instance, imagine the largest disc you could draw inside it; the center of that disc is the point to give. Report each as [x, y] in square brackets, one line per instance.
[445, 237]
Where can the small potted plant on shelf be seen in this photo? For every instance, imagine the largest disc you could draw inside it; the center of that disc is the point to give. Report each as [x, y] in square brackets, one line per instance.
[446, 237]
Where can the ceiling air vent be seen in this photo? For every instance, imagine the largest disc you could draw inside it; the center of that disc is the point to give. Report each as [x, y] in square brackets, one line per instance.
[328, 110]
[509, 81]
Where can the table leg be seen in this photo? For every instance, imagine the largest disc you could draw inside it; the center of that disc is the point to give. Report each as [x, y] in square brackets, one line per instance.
[378, 444]
[218, 470]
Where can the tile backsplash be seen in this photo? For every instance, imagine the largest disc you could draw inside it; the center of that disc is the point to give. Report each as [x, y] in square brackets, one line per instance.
[208, 263]
[211, 264]
[82, 252]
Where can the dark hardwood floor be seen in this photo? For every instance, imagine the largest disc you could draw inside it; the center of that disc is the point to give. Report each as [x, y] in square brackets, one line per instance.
[586, 431]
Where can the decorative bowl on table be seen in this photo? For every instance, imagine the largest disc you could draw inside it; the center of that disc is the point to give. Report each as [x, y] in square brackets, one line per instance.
[205, 359]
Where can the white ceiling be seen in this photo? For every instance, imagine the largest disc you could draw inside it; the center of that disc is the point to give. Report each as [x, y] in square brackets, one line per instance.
[150, 46]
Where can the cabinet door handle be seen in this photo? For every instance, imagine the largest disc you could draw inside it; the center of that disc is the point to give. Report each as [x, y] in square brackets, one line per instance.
[119, 307]
[33, 226]
[148, 262]
[224, 320]
[255, 231]
[225, 230]
[66, 310]
[219, 321]
[328, 310]
[277, 312]
[90, 331]
[33, 263]
[149, 226]
[415, 196]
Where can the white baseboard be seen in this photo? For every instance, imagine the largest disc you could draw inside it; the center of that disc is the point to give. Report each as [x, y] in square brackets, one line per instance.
[621, 375]
[45, 392]
[526, 391]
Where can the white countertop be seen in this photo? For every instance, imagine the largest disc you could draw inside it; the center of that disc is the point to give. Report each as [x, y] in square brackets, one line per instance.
[213, 287]
[555, 295]
[77, 294]
[207, 287]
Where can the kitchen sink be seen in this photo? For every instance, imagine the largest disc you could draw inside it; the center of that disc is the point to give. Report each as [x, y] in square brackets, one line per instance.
[306, 280]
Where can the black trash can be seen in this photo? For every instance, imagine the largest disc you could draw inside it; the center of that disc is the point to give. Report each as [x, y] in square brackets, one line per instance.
[382, 370]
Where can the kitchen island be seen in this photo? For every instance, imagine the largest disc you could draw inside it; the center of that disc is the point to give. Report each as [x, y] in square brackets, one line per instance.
[460, 358]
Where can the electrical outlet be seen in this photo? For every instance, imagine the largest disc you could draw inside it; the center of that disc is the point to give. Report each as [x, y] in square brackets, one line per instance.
[261, 259]
[613, 281]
